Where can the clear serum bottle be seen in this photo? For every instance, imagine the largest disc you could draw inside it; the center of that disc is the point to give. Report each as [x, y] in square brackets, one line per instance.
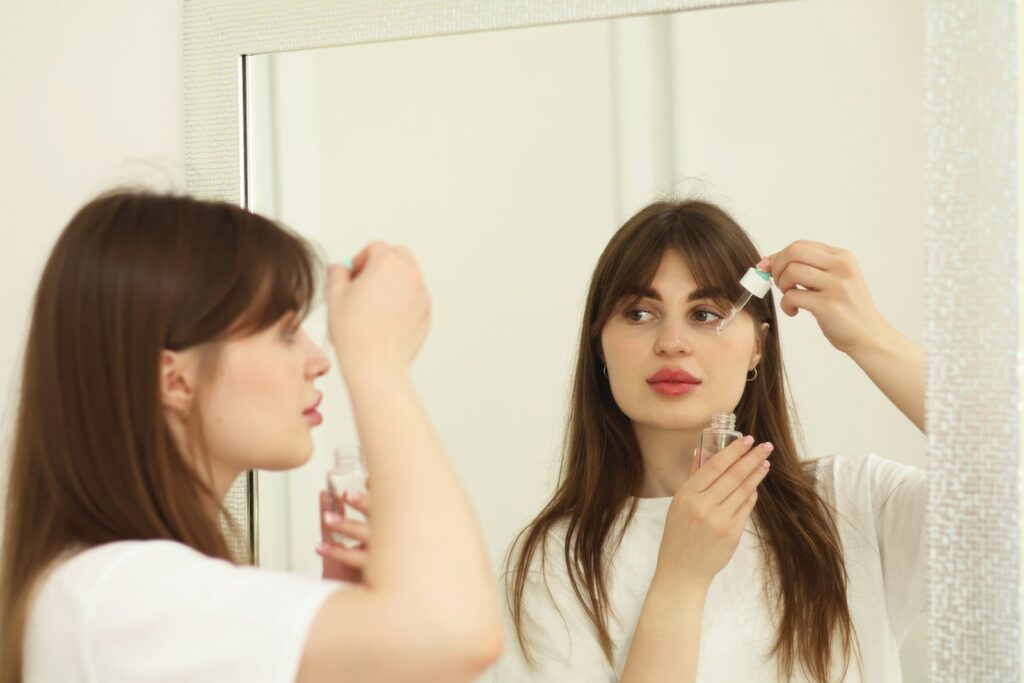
[720, 434]
[348, 474]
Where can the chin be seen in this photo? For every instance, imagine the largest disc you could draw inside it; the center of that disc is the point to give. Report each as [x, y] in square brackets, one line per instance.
[677, 420]
[670, 423]
[297, 456]
[286, 463]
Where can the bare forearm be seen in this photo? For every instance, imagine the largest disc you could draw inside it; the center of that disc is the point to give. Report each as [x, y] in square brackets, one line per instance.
[426, 541]
[667, 640]
[897, 366]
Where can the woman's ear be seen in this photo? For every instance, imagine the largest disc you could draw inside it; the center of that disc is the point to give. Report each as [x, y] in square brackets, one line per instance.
[178, 380]
[759, 337]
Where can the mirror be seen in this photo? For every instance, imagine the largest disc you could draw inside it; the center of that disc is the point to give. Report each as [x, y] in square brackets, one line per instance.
[506, 159]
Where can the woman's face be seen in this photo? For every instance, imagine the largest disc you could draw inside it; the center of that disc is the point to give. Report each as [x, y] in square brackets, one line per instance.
[256, 408]
[668, 368]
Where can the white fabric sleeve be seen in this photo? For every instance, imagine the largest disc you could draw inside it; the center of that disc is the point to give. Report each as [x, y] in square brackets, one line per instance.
[163, 612]
[899, 498]
[564, 643]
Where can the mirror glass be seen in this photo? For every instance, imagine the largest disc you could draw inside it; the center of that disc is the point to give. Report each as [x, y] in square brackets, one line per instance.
[506, 159]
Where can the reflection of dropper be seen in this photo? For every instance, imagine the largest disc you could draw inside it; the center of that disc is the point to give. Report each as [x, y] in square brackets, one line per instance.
[755, 283]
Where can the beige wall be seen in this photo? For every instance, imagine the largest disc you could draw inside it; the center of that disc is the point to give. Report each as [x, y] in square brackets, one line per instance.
[92, 96]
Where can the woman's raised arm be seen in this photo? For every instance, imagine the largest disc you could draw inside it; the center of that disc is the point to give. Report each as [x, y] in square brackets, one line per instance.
[827, 282]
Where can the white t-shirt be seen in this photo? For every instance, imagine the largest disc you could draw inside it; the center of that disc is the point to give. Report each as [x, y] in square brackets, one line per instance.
[159, 611]
[881, 522]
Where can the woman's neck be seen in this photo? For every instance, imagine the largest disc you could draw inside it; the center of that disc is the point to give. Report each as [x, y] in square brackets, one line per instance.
[667, 457]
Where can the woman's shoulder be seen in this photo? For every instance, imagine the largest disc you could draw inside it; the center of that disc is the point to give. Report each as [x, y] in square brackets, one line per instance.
[91, 563]
[77, 574]
[67, 594]
[865, 483]
[154, 594]
[868, 471]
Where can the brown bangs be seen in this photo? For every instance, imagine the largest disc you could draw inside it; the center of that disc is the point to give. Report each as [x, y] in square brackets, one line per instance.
[264, 272]
[632, 258]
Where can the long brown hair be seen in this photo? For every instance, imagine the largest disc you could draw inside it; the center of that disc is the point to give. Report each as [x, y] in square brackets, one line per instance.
[93, 460]
[602, 469]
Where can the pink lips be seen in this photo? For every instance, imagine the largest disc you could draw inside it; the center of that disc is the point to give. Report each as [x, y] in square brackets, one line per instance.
[670, 381]
[316, 404]
[312, 416]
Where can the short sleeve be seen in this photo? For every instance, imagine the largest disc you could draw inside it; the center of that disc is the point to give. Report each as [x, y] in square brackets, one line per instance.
[899, 497]
[562, 640]
[163, 612]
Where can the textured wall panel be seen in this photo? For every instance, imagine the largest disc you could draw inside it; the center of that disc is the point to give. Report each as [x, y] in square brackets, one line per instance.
[972, 337]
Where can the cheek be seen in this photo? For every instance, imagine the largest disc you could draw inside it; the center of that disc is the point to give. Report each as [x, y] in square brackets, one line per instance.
[725, 361]
[248, 400]
[622, 347]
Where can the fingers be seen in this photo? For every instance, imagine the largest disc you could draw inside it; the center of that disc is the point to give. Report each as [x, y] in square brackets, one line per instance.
[744, 510]
[795, 299]
[332, 518]
[368, 252]
[350, 557]
[359, 500]
[814, 254]
[338, 279]
[350, 528]
[738, 498]
[325, 506]
[715, 467]
[736, 476]
[802, 275]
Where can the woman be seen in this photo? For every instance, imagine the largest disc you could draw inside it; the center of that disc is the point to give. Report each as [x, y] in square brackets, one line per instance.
[755, 566]
[165, 357]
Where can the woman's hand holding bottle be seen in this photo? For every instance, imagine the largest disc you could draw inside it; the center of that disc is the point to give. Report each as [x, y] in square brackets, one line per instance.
[702, 529]
[708, 513]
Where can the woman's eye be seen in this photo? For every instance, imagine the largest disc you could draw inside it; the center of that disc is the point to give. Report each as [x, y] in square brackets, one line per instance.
[705, 316]
[637, 315]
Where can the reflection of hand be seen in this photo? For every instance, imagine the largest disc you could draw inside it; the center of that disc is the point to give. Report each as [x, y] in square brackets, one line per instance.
[708, 513]
[379, 312]
[341, 563]
[827, 282]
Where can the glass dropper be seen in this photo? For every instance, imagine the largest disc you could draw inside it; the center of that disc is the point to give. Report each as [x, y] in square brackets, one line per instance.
[755, 283]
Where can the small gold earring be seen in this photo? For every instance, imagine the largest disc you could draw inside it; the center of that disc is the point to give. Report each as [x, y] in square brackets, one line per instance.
[751, 379]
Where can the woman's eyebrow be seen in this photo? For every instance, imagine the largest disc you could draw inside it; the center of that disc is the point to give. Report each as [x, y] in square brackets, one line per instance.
[643, 292]
[712, 293]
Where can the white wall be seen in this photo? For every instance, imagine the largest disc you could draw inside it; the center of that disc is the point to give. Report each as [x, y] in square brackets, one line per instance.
[447, 146]
[91, 95]
[806, 120]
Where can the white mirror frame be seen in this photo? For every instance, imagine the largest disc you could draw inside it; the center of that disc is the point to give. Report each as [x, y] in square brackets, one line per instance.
[973, 247]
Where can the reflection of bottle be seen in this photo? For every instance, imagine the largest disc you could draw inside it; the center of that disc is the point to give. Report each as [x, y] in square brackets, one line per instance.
[720, 434]
[348, 474]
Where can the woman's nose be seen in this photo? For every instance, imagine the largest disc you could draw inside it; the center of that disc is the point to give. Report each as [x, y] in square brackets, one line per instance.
[318, 364]
[673, 338]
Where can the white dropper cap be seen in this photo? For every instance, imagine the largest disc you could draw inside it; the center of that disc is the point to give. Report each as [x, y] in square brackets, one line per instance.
[757, 282]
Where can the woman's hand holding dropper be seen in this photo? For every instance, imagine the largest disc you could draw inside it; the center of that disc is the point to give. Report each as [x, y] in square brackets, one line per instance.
[827, 281]
[379, 312]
